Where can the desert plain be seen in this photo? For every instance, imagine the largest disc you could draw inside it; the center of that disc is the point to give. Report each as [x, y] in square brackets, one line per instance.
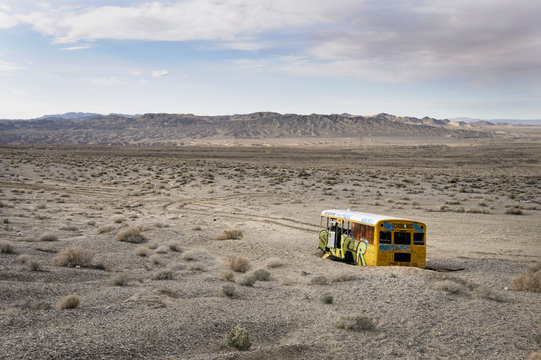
[171, 291]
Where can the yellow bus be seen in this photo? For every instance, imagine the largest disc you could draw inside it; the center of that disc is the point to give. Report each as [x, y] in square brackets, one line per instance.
[366, 239]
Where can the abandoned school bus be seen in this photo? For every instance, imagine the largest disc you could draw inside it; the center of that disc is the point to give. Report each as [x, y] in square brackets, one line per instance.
[366, 239]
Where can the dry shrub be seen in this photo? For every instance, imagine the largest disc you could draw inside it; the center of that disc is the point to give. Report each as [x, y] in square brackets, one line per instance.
[164, 275]
[326, 298]
[228, 290]
[119, 219]
[70, 302]
[230, 234]
[73, 257]
[162, 249]
[343, 277]
[174, 246]
[23, 259]
[262, 275]
[248, 280]
[514, 211]
[274, 263]
[190, 256]
[131, 235]
[155, 259]
[355, 323]
[48, 237]
[530, 281]
[237, 263]
[450, 287]
[28, 262]
[6, 248]
[535, 267]
[120, 279]
[142, 251]
[238, 338]
[534, 356]
[227, 275]
[477, 211]
[105, 229]
[319, 280]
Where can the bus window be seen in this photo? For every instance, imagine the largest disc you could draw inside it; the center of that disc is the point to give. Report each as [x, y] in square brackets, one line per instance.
[402, 238]
[346, 225]
[385, 237]
[362, 232]
[325, 222]
[418, 238]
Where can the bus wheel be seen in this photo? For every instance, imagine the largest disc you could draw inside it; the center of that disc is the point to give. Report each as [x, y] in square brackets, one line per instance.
[349, 258]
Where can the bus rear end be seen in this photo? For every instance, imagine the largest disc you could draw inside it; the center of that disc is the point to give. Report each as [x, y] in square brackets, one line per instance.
[401, 243]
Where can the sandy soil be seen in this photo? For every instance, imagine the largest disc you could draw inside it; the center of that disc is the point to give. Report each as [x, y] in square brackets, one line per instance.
[170, 303]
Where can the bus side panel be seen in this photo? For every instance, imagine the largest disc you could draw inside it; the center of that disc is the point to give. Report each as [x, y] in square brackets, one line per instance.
[371, 255]
[419, 256]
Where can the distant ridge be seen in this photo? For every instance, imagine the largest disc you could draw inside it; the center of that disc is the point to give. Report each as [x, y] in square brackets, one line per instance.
[89, 128]
[79, 115]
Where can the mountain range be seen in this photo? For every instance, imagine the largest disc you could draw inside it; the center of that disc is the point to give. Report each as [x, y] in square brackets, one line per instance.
[157, 128]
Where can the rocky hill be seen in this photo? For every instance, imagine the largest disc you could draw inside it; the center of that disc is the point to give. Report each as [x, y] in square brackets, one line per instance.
[158, 129]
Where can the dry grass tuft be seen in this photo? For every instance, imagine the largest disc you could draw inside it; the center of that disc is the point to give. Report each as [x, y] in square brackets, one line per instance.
[274, 263]
[230, 234]
[355, 323]
[227, 275]
[6, 248]
[164, 275]
[162, 249]
[238, 338]
[450, 287]
[73, 257]
[23, 259]
[248, 280]
[326, 298]
[48, 237]
[228, 290]
[514, 211]
[174, 246]
[105, 229]
[262, 275]
[142, 251]
[190, 256]
[131, 235]
[343, 277]
[237, 263]
[530, 281]
[120, 279]
[70, 302]
[319, 280]
[535, 267]
[155, 259]
[534, 356]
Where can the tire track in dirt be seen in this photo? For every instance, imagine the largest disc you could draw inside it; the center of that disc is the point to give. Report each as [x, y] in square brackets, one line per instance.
[71, 189]
[210, 203]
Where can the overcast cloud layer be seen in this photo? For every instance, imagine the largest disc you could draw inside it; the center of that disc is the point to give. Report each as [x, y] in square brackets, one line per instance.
[479, 43]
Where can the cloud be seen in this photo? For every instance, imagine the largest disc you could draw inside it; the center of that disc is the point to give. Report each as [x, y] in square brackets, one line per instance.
[159, 73]
[17, 92]
[180, 21]
[105, 81]
[7, 21]
[391, 41]
[135, 73]
[8, 66]
[80, 47]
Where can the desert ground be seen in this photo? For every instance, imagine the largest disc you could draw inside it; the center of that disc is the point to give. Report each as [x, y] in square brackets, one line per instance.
[170, 290]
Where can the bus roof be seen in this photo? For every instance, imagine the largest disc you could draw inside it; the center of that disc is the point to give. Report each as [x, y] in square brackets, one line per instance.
[366, 218]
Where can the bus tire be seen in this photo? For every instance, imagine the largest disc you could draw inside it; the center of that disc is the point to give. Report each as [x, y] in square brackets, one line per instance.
[349, 258]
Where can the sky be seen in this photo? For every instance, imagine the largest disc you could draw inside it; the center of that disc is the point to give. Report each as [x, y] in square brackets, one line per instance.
[436, 58]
